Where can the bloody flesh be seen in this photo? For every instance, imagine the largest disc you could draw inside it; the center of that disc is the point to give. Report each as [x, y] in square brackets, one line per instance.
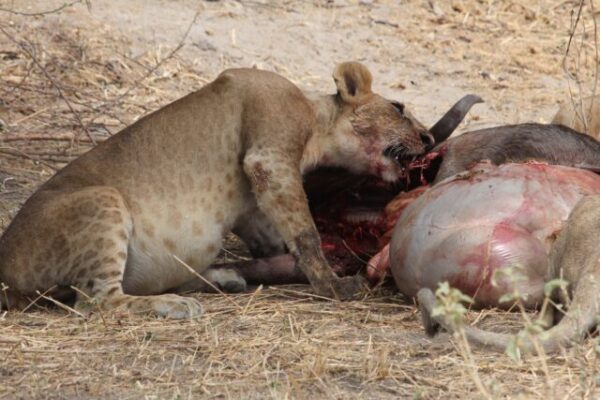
[355, 215]
[477, 222]
[350, 227]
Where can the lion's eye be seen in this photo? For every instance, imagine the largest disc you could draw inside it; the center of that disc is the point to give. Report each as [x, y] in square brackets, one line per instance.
[399, 107]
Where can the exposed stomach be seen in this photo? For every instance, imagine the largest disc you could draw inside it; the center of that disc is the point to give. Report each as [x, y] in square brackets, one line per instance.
[487, 232]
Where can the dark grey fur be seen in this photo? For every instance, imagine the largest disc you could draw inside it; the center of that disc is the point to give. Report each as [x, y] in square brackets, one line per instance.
[554, 144]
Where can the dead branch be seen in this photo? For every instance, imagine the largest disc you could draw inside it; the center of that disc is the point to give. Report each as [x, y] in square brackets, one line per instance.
[50, 79]
[67, 137]
[56, 10]
[566, 68]
[138, 82]
[18, 153]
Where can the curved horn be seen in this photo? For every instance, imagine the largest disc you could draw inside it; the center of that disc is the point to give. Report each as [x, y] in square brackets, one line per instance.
[448, 123]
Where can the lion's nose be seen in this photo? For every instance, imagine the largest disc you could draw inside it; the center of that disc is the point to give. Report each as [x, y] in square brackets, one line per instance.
[428, 140]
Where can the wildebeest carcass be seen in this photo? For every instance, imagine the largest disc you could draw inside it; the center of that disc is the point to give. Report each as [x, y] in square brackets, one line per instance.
[534, 206]
[523, 196]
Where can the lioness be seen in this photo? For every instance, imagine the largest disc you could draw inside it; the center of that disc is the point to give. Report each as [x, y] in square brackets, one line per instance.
[227, 157]
[582, 116]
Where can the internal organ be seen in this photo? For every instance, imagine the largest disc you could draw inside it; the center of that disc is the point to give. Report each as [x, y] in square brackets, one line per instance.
[466, 228]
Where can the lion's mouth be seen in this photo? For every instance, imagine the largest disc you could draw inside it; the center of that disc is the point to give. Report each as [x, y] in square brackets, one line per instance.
[415, 168]
[401, 156]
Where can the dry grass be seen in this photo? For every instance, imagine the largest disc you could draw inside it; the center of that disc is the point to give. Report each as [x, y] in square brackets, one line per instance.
[63, 85]
[275, 343]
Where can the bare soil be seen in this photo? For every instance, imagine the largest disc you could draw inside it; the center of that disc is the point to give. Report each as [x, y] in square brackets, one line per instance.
[74, 76]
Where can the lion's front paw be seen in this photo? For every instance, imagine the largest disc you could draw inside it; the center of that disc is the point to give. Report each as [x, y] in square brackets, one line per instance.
[346, 288]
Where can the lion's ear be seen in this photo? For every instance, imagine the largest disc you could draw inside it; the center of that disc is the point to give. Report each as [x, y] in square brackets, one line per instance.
[353, 81]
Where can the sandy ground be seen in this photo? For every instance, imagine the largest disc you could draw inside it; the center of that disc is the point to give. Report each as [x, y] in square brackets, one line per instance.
[417, 52]
[82, 73]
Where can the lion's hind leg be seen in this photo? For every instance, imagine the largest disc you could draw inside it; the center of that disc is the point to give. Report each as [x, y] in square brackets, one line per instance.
[99, 273]
[80, 238]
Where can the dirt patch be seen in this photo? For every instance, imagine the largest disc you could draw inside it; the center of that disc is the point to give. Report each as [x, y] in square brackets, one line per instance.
[72, 78]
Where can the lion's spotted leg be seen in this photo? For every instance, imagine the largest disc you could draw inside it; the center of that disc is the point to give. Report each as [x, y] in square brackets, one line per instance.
[104, 287]
[164, 305]
[277, 185]
[98, 254]
[312, 262]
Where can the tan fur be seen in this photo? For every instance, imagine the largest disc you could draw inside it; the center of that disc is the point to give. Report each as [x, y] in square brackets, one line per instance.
[583, 116]
[228, 157]
[575, 257]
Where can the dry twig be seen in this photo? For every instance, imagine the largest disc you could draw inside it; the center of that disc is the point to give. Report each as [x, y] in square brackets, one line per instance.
[50, 79]
[53, 11]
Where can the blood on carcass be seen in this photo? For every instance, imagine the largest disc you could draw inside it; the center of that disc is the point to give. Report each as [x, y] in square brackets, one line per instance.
[355, 223]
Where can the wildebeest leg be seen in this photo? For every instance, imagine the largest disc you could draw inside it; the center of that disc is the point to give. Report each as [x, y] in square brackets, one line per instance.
[232, 277]
[275, 270]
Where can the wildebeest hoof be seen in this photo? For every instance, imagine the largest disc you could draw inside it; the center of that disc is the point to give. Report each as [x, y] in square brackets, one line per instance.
[228, 280]
[235, 286]
[426, 300]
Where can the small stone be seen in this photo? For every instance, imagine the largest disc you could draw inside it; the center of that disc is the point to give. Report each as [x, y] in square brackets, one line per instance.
[205, 45]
